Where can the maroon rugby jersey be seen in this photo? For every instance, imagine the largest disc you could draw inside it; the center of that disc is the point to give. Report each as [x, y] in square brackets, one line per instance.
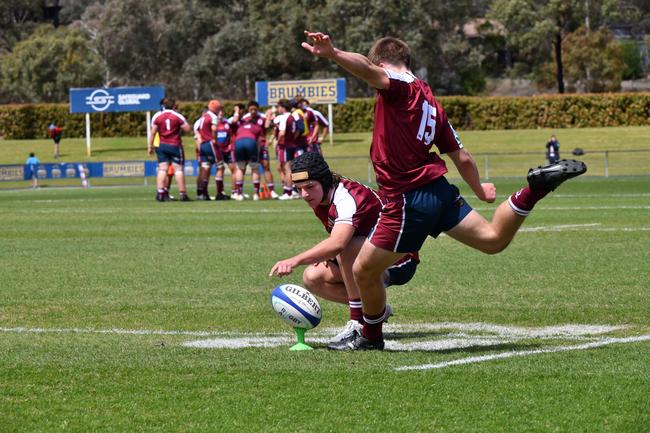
[205, 126]
[223, 135]
[408, 122]
[292, 136]
[351, 203]
[312, 116]
[258, 119]
[245, 129]
[169, 123]
[355, 204]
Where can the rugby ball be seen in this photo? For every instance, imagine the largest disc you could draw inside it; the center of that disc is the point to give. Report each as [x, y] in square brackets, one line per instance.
[296, 306]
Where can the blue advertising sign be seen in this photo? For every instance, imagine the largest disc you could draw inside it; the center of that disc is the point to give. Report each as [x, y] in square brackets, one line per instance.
[66, 170]
[116, 99]
[326, 91]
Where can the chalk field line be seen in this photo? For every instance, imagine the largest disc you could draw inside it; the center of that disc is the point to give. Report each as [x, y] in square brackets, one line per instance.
[520, 353]
[566, 330]
[448, 336]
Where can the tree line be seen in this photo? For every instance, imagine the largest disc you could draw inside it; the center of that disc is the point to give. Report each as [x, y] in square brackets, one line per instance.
[200, 49]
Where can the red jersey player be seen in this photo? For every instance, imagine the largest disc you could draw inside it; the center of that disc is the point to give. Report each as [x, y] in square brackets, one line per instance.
[169, 123]
[224, 140]
[264, 121]
[56, 133]
[208, 150]
[348, 211]
[248, 137]
[287, 146]
[420, 202]
[316, 122]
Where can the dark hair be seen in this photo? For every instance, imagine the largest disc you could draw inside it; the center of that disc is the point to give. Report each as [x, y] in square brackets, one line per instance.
[31, 154]
[253, 103]
[390, 50]
[241, 106]
[314, 167]
[167, 103]
[285, 104]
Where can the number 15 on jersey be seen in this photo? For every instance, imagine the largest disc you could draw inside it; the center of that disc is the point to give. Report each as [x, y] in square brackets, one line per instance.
[427, 129]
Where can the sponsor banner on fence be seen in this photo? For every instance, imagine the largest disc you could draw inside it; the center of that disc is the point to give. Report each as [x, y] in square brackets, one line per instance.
[124, 169]
[66, 170]
[13, 172]
[116, 99]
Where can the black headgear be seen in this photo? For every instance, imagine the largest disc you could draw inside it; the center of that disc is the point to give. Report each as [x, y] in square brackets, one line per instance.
[312, 166]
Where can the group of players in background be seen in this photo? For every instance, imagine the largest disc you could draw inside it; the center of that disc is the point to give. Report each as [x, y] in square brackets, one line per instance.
[237, 143]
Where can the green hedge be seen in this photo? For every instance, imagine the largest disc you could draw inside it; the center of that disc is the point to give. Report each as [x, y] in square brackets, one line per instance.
[481, 113]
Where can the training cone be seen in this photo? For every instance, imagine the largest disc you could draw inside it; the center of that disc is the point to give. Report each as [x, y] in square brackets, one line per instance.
[265, 194]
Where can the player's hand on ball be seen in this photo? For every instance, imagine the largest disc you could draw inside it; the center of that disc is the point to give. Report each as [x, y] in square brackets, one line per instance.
[283, 267]
[489, 192]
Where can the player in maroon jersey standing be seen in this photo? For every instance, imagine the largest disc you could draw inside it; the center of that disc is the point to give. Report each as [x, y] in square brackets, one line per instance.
[264, 121]
[420, 202]
[348, 211]
[248, 136]
[316, 123]
[169, 123]
[207, 148]
[288, 146]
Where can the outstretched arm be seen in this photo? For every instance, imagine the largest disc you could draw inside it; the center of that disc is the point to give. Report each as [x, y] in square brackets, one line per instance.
[356, 64]
[466, 166]
[324, 250]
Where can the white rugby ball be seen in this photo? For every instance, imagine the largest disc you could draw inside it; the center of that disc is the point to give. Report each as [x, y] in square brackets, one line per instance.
[296, 306]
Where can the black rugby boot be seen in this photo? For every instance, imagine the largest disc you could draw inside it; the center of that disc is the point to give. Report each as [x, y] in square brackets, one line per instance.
[549, 177]
[359, 342]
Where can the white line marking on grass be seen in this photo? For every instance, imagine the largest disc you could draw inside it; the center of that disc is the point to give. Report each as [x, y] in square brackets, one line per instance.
[133, 332]
[622, 194]
[444, 341]
[467, 335]
[445, 344]
[167, 211]
[574, 208]
[239, 343]
[557, 228]
[569, 330]
[504, 355]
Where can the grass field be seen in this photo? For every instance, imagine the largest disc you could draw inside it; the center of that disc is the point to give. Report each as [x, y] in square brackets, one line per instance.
[349, 155]
[119, 314]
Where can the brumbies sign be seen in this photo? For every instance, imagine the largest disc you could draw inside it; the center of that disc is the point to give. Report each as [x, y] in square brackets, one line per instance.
[326, 91]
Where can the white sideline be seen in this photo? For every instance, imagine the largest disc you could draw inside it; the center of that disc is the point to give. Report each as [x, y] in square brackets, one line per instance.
[20, 329]
[476, 359]
[569, 330]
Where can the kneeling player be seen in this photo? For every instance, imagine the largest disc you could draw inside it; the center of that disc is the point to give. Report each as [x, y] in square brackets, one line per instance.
[349, 211]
